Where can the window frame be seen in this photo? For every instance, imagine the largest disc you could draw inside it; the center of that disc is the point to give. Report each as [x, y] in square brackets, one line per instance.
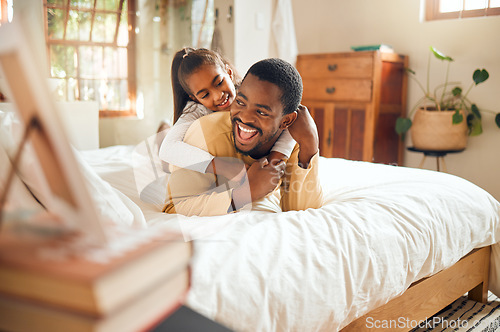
[131, 49]
[4, 18]
[432, 12]
[3, 12]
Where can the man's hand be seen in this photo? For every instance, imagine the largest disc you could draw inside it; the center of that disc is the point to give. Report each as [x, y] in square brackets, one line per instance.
[262, 178]
[305, 133]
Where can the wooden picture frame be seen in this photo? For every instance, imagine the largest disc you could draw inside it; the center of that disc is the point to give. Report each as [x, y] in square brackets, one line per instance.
[29, 91]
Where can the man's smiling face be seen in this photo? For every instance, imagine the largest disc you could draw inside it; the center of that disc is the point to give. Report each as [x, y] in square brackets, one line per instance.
[256, 115]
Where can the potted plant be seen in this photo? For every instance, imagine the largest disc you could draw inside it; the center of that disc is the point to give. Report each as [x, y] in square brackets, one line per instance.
[444, 117]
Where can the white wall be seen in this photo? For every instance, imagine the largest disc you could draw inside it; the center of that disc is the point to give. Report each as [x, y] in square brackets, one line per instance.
[335, 25]
[252, 42]
[246, 36]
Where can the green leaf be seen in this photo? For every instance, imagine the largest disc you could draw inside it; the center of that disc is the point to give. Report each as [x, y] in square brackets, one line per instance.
[402, 125]
[475, 125]
[409, 70]
[440, 55]
[457, 91]
[475, 110]
[480, 76]
[497, 120]
[457, 117]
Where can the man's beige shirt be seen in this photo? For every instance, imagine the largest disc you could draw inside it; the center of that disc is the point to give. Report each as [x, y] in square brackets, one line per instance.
[192, 193]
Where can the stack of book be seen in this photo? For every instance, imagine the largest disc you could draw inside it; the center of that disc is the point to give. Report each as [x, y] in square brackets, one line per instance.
[45, 288]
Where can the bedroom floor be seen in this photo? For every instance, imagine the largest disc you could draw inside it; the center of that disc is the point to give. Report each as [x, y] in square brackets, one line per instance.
[466, 315]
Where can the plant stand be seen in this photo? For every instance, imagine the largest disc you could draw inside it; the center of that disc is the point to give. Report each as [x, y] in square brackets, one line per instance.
[439, 154]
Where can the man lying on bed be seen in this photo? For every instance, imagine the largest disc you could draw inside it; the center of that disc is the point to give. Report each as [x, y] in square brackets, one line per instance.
[267, 102]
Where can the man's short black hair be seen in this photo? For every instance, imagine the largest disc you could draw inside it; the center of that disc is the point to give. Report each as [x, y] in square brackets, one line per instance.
[285, 76]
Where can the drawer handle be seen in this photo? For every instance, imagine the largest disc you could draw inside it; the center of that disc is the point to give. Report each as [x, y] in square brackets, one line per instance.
[330, 90]
[332, 67]
[329, 138]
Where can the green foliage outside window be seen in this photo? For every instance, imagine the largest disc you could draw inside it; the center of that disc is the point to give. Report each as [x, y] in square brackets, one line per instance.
[87, 44]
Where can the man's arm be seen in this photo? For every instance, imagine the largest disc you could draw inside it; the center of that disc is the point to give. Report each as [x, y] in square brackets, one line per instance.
[301, 187]
[261, 178]
[305, 133]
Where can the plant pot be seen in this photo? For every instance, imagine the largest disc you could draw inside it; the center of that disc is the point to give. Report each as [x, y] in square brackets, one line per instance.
[434, 130]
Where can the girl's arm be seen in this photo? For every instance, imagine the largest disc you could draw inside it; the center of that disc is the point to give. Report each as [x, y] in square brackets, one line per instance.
[283, 147]
[174, 151]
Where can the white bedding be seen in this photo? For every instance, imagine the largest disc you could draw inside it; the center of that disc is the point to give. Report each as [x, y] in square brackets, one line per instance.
[382, 228]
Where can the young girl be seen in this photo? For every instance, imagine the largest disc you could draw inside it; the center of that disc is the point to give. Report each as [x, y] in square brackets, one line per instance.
[203, 82]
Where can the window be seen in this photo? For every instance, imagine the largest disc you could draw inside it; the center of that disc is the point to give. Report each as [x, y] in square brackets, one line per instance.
[5, 11]
[202, 23]
[449, 9]
[91, 51]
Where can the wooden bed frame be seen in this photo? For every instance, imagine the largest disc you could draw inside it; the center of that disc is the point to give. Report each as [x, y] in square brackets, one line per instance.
[426, 297]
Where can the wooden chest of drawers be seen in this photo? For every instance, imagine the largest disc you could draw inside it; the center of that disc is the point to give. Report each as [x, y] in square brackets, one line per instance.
[355, 99]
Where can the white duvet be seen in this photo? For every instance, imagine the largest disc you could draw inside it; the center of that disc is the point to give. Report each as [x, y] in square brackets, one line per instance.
[381, 228]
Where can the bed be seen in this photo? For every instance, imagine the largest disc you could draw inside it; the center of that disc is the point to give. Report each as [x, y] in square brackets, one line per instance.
[382, 229]
[388, 241]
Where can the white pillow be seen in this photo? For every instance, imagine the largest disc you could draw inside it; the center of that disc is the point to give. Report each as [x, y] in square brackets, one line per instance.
[109, 203]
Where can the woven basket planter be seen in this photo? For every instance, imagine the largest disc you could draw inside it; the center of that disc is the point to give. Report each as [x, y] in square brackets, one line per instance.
[433, 130]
